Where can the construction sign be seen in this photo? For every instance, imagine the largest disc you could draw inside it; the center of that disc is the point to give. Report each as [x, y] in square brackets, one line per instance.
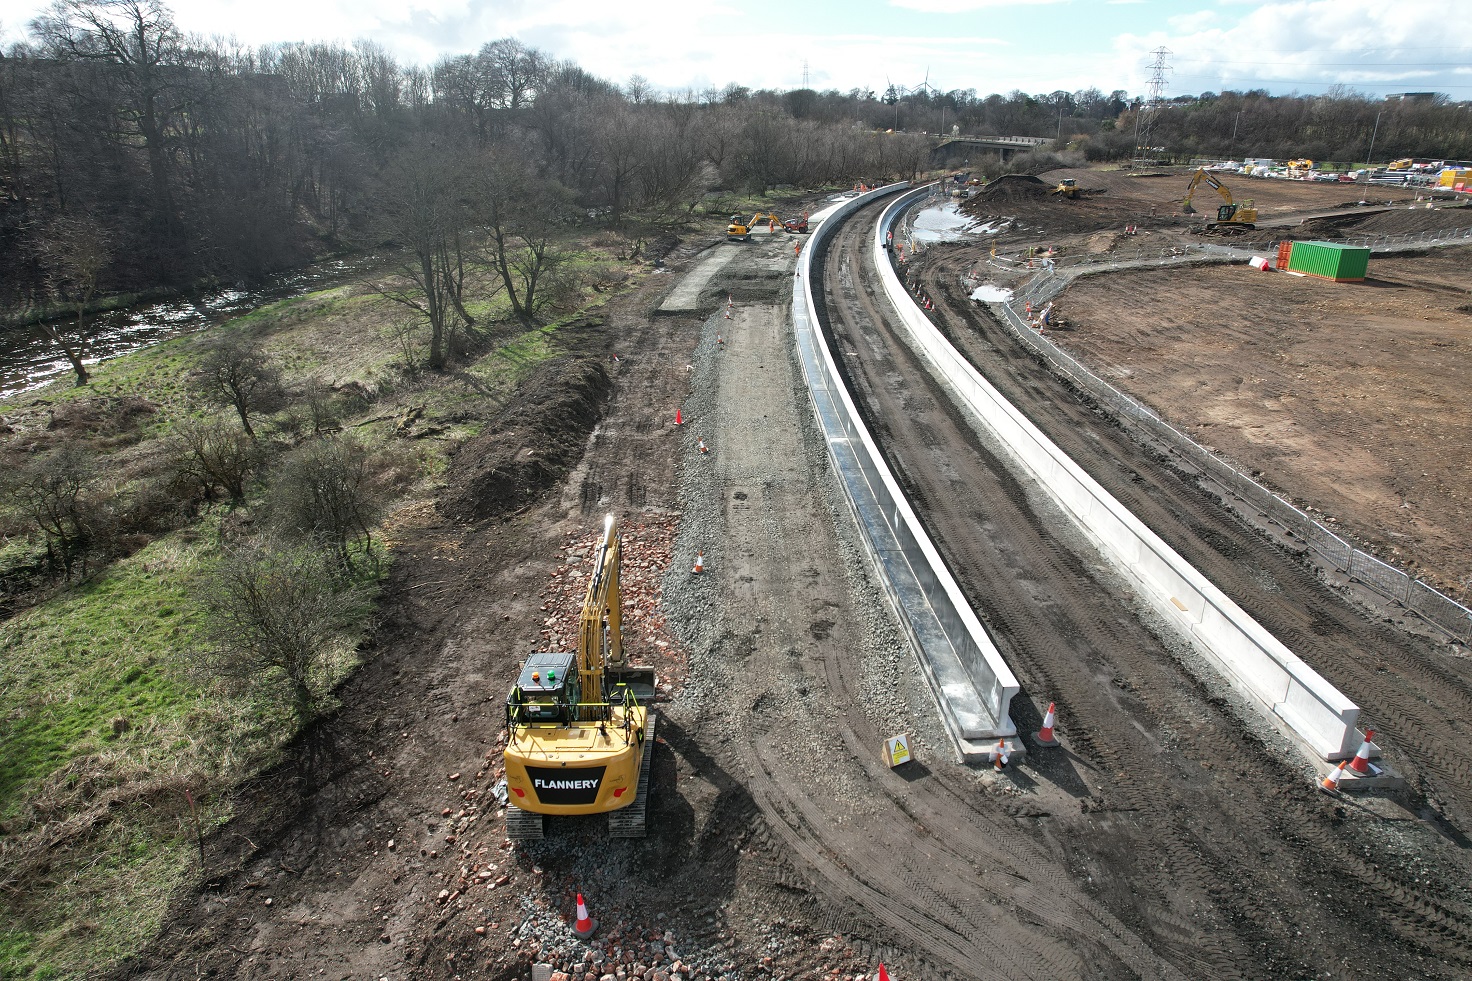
[897, 750]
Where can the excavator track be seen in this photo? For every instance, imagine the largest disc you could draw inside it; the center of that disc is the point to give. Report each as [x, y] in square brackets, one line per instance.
[522, 825]
[630, 822]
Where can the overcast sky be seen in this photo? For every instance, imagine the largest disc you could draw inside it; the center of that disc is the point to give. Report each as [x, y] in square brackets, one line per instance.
[1372, 46]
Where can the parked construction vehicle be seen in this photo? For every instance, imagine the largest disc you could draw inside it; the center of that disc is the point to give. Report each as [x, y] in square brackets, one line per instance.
[579, 733]
[797, 226]
[1068, 188]
[740, 231]
[1230, 214]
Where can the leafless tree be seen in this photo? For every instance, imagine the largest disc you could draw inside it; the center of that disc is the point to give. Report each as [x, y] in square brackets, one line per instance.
[216, 455]
[57, 492]
[425, 210]
[638, 89]
[139, 36]
[236, 374]
[323, 493]
[76, 250]
[273, 615]
[523, 217]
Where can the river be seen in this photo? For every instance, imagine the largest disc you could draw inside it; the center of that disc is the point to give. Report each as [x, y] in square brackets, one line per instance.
[29, 359]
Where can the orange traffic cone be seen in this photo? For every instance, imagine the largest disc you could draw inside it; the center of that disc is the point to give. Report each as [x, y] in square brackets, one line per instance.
[883, 974]
[678, 420]
[728, 313]
[585, 925]
[720, 340]
[999, 755]
[1331, 782]
[700, 445]
[699, 564]
[730, 302]
[1361, 762]
[1045, 736]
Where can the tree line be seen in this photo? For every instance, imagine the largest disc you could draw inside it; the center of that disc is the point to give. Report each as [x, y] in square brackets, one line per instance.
[183, 160]
[134, 154]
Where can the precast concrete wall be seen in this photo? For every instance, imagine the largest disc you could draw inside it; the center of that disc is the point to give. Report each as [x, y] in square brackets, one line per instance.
[972, 684]
[1293, 695]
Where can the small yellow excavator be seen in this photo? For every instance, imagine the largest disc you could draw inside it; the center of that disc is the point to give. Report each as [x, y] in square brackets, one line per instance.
[740, 231]
[579, 734]
[1230, 214]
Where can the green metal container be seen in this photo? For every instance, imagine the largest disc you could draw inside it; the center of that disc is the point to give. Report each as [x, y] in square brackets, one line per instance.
[1329, 260]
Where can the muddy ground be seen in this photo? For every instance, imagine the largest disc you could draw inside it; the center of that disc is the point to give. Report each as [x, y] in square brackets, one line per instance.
[1348, 398]
[780, 846]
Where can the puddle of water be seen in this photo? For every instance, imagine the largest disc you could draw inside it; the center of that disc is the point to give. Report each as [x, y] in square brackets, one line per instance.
[991, 294]
[941, 223]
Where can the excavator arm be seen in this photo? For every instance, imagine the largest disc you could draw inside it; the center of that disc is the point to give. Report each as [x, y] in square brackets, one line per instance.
[1202, 177]
[600, 627]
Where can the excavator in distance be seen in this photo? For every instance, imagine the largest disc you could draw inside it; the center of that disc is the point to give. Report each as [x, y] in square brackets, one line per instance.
[740, 231]
[1230, 214]
[579, 732]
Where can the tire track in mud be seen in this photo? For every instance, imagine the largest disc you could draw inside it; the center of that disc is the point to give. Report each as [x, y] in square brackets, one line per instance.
[1419, 697]
[1152, 710]
[950, 914]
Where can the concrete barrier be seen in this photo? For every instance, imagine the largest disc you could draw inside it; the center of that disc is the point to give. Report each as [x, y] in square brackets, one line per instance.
[972, 685]
[1298, 700]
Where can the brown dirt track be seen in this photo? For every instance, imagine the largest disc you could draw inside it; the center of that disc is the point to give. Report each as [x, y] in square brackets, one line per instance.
[1169, 839]
[1351, 398]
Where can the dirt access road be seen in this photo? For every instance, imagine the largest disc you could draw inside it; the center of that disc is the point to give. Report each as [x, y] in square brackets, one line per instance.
[781, 848]
[1184, 811]
[380, 854]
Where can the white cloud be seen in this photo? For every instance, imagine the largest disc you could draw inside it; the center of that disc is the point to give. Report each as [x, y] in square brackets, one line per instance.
[1311, 44]
[965, 6]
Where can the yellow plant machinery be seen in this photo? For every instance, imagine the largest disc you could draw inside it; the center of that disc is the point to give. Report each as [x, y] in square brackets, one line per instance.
[1230, 214]
[579, 733]
[740, 231]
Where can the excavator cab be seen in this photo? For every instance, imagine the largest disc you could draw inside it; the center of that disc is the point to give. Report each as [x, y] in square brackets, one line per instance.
[546, 691]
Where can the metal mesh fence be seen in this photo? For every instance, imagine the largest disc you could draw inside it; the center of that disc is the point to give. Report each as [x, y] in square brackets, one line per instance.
[1414, 595]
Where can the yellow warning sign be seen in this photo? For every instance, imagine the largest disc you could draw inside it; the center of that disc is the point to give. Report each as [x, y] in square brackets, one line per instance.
[897, 750]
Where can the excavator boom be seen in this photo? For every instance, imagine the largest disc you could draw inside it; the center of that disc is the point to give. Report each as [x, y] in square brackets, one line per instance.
[1229, 213]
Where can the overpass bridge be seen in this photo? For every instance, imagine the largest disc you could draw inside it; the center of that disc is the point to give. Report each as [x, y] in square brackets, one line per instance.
[953, 145]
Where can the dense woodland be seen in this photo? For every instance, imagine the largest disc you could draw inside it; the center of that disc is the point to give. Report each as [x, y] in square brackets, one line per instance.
[134, 155]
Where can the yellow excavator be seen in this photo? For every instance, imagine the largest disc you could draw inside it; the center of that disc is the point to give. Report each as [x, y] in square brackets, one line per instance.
[740, 231]
[579, 732]
[1230, 214]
